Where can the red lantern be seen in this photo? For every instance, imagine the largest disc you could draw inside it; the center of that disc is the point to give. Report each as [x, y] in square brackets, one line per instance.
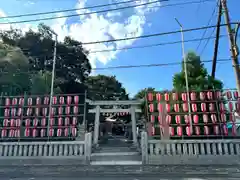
[11, 133]
[19, 112]
[193, 96]
[60, 121]
[29, 111]
[171, 131]
[216, 129]
[225, 130]
[151, 107]
[6, 112]
[34, 133]
[59, 132]
[54, 100]
[69, 100]
[223, 117]
[52, 121]
[195, 119]
[67, 110]
[17, 133]
[51, 132]
[42, 132]
[203, 107]
[43, 122]
[66, 132]
[168, 107]
[205, 118]
[179, 131]
[176, 107]
[175, 96]
[229, 95]
[237, 106]
[213, 118]
[52, 112]
[27, 132]
[202, 96]
[211, 107]
[14, 101]
[7, 102]
[44, 111]
[61, 100]
[160, 120]
[166, 97]
[206, 130]
[67, 121]
[187, 119]
[178, 119]
[150, 96]
[29, 101]
[158, 97]
[35, 122]
[4, 133]
[194, 107]
[74, 132]
[46, 100]
[184, 96]
[38, 101]
[75, 110]
[235, 94]
[76, 99]
[74, 121]
[222, 107]
[210, 95]
[13, 112]
[152, 118]
[188, 131]
[12, 122]
[27, 122]
[169, 119]
[18, 122]
[37, 111]
[197, 130]
[230, 105]
[5, 122]
[160, 108]
[60, 110]
[185, 107]
[21, 102]
[232, 117]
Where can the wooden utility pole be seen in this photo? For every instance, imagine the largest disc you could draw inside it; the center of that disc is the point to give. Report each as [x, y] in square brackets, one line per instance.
[233, 45]
[217, 39]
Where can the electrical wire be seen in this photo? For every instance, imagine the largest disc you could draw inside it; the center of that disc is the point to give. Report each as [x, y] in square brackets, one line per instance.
[101, 11]
[208, 39]
[209, 22]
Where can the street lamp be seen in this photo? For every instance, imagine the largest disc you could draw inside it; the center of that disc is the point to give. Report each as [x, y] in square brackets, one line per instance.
[186, 75]
[53, 75]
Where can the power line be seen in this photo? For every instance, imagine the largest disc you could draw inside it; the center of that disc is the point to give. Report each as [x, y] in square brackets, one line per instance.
[207, 41]
[209, 22]
[155, 65]
[156, 34]
[102, 11]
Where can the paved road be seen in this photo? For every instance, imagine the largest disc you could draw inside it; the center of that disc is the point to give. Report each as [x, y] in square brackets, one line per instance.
[118, 172]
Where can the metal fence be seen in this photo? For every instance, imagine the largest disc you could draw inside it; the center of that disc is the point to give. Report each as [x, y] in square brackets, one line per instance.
[29, 118]
[212, 114]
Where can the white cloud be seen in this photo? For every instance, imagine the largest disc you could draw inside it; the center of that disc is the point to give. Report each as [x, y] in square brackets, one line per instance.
[100, 27]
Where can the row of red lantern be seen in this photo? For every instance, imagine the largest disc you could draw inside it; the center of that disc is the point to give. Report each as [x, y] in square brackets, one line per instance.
[211, 106]
[118, 114]
[28, 132]
[195, 118]
[210, 95]
[61, 100]
[197, 131]
[29, 111]
[43, 122]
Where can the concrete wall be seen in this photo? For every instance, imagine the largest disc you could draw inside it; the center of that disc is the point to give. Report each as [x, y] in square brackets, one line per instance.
[190, 152]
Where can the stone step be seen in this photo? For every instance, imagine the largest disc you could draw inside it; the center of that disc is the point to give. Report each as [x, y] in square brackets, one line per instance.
[114, 163]
[116, 157]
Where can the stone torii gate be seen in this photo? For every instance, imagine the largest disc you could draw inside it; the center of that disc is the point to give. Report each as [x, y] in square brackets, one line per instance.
[132, 110]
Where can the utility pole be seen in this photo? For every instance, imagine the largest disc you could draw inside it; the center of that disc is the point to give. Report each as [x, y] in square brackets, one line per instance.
[232, 43]
[217, 39]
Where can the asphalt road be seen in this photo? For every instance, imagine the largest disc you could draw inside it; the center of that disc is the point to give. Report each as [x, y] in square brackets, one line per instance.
[118, 172]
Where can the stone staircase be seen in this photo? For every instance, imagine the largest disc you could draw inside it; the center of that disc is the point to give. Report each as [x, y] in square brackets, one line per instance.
[116, 151]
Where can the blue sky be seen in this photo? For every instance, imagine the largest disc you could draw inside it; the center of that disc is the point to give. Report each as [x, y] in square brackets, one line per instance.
[134, 22]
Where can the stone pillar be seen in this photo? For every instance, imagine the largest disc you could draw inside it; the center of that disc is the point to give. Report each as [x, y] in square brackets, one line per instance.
[134, 126]
[88, 147]
[144, 147]
[96, 125]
